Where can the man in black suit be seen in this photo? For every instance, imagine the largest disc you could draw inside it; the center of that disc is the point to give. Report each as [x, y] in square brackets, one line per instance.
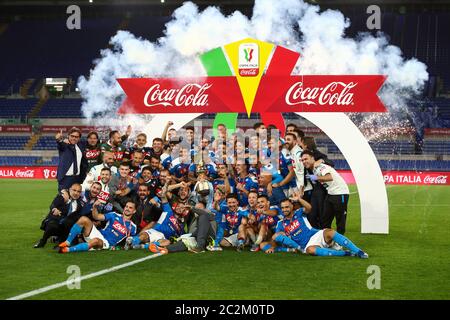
[73, 165]
[64, 212]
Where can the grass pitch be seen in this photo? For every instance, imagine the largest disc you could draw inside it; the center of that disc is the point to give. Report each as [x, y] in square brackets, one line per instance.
[414, 258]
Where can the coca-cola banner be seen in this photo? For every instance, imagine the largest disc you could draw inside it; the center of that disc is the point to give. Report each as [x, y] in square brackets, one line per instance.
[390, 177]
[311, 93]
[438, 131]
[28, 172]
[406, 177]
[18, 128]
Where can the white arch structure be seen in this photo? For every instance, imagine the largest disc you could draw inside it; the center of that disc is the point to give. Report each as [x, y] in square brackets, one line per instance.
[354, 147]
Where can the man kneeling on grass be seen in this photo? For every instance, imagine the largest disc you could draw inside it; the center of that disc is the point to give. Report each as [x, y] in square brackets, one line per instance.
[118, 228]
[294, 231]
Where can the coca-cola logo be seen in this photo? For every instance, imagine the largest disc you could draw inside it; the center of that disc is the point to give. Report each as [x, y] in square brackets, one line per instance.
[90, 154]
[435, 180]
[24, 174]
[334, 93]
[155, 96]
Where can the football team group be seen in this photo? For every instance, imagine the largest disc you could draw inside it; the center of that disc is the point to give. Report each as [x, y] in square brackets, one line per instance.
[267, 191]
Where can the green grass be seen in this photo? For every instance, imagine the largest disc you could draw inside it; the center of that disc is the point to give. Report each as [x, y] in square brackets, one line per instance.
[414, 258]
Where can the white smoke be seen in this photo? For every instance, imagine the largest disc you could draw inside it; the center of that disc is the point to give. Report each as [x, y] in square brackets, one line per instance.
[318, 36]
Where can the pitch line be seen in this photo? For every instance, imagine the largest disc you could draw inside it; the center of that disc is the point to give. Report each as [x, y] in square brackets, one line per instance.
[88, 276]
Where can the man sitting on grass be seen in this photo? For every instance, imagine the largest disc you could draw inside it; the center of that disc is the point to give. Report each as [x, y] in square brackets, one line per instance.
[118, 228]
[231, 229]
[294, 231]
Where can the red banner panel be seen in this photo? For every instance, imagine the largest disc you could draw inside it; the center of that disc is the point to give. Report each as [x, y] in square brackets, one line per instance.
[390, 177]
[406, 177]
[28, 172]
[438, 131]
[18, 128]
[346, 93]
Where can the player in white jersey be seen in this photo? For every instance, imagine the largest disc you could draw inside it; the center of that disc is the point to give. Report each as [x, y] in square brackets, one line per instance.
[295, 152]
[337, 199]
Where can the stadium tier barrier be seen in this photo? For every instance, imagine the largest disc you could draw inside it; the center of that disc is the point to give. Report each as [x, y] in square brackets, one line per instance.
[390, 177]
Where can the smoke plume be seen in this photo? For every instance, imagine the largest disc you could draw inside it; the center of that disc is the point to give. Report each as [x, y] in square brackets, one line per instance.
[318, 35]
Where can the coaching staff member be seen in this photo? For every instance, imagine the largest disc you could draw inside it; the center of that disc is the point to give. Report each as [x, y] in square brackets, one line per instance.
[72, 165]
[335, 205]
[64, 212]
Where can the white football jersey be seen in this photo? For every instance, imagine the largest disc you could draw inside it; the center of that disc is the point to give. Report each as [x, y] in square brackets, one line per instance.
[335, 187]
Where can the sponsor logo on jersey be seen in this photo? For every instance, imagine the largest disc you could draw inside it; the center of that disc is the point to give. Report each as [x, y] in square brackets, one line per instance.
[119, 227]
[175, 224]
[293, 226]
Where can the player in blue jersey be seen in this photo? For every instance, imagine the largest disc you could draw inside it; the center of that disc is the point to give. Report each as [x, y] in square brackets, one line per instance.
[265, 219]
[294, 231]
[267, 177]
[224, 179]
[166, 158]
[180, 166]
[253, 228]
[288, 184]
[244, 184]
[170, 224]
[118, 227]
[219, 204]
[231, 229]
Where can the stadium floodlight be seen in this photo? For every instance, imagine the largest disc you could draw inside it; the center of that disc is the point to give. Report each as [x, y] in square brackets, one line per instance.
[55, 81]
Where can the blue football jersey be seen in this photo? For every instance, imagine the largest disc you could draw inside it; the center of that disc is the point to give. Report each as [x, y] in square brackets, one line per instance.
[285, 164]
[168, 224]
[166, 160]
[220, 182]
[179, 169]
[270, 221]
[117, 228]
[250, 183]
[223, 208]
[232, 220]
[297, 228]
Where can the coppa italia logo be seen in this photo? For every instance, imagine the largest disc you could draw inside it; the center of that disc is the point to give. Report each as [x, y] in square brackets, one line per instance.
[243, 87]
[248, 60]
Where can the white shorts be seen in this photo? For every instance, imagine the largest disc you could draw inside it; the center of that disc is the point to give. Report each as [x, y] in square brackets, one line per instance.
[233, 239]
[318, 240]
[95, 234]
[154, 235]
